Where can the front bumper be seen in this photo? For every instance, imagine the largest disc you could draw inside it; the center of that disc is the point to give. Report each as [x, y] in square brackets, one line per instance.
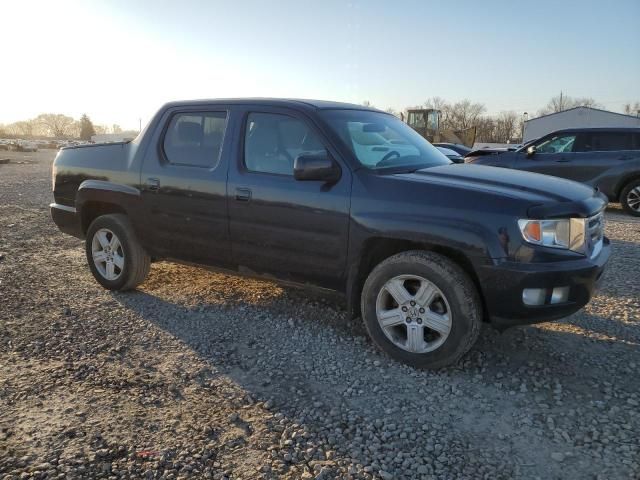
[67, 219]
[502, 285]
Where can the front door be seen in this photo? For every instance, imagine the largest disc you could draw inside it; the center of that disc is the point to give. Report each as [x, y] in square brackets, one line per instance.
[294, 230]
[554, 156]
[183, 185]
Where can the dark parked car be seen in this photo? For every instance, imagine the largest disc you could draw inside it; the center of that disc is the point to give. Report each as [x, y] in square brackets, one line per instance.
[455, 157]
[461, 150]
[607, 158]
[423, 249]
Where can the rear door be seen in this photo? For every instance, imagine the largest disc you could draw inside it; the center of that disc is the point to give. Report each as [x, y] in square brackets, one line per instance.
[294, 230]
[183, 185]
[603, 151]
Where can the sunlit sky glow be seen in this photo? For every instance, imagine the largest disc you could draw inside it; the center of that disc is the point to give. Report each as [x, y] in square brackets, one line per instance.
[119, 60]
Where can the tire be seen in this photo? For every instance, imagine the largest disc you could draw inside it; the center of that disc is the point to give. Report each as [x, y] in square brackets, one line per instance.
[630, 197]
[130, 262]
[453, 307]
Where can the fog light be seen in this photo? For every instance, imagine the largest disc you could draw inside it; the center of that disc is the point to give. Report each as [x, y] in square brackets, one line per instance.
[560, 295]
[534, 296]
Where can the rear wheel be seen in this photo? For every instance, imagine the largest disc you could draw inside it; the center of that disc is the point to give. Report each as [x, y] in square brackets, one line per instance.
[115, 257]
[422, 309]
[630, 198]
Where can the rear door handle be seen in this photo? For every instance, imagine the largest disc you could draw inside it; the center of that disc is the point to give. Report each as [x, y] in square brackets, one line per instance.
[243, 194]
[152, 184]
[563, 160]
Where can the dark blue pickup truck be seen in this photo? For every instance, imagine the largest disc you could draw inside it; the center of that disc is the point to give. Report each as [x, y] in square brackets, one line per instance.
[342, 197]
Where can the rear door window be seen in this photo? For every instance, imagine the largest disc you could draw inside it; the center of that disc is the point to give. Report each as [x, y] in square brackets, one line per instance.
[195, 138]
[608, 141]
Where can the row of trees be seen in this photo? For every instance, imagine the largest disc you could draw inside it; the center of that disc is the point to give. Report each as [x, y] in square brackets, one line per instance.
[505, 126]
[56, 125]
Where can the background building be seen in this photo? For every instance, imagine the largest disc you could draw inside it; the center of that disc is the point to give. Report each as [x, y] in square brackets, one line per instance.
[113, 137]
[576, 118]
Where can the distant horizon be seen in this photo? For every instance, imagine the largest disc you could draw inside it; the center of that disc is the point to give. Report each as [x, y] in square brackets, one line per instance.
[120, 61]
[124, 129]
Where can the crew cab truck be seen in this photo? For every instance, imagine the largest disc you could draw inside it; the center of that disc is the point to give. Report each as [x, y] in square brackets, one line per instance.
[423, 249]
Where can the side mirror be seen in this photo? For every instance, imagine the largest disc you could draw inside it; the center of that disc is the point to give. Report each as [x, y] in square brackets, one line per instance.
[318, 167]
[531, 150]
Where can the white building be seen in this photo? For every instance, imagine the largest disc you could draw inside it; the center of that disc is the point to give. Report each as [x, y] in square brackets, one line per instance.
[576, 118]
[112, 137]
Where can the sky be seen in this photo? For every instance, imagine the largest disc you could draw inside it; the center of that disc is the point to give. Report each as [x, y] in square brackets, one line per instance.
[120, 60]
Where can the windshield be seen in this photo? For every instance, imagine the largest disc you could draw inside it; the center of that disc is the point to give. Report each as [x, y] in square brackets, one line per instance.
[381, 141]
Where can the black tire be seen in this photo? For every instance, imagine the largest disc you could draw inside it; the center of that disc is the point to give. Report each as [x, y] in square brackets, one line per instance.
[136, 261]
[460, 292]
[624, 197]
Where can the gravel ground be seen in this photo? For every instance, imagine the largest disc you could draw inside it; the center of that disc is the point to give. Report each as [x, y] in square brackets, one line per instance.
[199, 374]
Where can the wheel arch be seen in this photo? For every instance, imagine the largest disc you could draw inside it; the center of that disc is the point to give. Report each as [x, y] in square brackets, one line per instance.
[376, 249]
[624, 182]
[96, 198]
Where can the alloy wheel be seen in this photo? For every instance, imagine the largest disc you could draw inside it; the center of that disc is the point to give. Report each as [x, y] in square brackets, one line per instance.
[413, 313]
[107, 254]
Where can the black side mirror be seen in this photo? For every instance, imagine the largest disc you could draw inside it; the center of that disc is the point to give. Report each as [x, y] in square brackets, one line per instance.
[531, 150]
[318, 167]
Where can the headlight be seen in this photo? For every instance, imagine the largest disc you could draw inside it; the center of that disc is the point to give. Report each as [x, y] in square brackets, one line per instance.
[566, 233]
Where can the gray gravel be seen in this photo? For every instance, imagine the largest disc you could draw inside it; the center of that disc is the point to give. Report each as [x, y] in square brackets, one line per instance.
[200, 374]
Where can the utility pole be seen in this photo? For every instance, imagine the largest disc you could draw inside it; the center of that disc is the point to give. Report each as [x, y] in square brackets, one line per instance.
[140, 125]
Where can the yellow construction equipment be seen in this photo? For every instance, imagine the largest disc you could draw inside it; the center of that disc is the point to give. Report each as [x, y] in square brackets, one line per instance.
[426, 121]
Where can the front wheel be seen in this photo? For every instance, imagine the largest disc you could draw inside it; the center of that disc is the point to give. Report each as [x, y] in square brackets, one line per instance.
[422, 309]
[116, 258]
[630, 198]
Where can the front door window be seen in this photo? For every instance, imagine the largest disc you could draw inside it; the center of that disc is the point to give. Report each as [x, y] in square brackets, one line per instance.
[557, 144]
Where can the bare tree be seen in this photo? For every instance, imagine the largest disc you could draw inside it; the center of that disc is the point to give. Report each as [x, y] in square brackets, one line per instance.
[100, 129]
[115, 128]
[563, 102]
[463, 114]
[439, 103]
[506, 126]
[632, 108]
[58, 125]
[23, 128]
[74, 129]
[486, 130]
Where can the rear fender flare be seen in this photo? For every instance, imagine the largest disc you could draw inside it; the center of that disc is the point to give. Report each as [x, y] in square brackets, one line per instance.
[124, 196]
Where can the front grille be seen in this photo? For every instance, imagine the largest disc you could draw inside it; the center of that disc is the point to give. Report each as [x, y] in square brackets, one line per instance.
[594, 234]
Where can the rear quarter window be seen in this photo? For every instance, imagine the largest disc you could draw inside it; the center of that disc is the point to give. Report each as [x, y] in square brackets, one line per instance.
[195, 139]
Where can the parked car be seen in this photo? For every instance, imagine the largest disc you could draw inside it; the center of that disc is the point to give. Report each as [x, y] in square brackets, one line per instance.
[455, 157]
[606, 158]
[26, 146]
[461, 150]
[422, 249]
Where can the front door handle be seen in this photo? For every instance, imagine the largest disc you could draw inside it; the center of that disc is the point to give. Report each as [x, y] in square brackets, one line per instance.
[563, 160]
[243, 194]
[152, 184]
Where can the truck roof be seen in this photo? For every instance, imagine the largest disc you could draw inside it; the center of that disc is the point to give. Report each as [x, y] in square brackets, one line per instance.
[275, 102]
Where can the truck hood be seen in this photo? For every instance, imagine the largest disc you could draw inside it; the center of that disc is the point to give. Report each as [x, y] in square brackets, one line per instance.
[554, 196]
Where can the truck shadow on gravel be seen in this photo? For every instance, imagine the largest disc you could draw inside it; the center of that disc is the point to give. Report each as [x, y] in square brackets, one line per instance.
[303, 358]
[303, 335]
